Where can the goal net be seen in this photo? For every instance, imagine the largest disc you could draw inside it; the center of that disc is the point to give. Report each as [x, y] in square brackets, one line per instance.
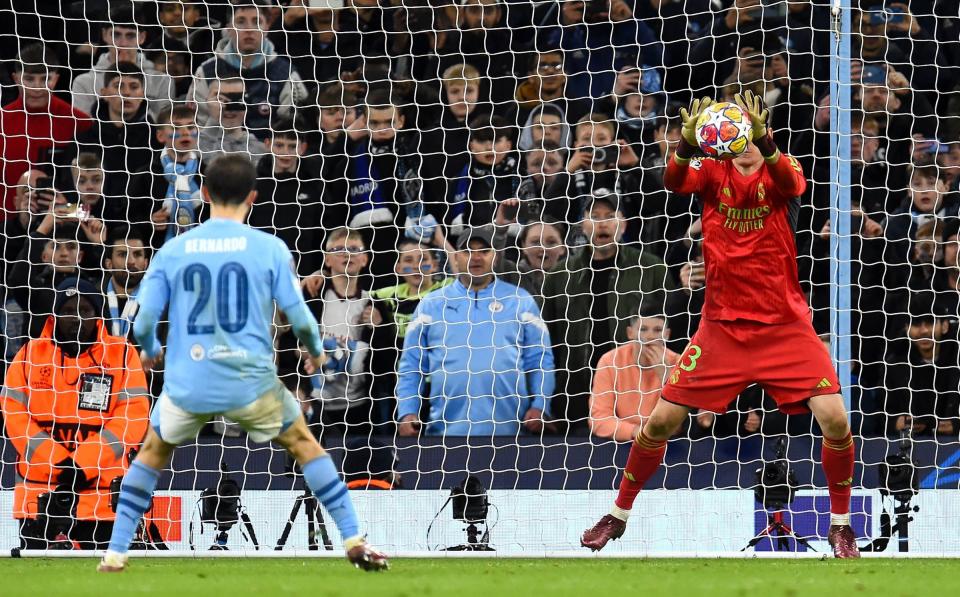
[477, 399]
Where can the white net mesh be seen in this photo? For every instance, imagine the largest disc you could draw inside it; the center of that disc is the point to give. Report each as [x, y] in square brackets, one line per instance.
[386, 133]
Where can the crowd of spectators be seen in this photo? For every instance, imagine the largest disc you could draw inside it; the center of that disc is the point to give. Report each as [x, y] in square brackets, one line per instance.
[472, 190]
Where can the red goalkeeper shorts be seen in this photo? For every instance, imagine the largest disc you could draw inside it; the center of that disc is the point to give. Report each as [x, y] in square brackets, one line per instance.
[788, 360]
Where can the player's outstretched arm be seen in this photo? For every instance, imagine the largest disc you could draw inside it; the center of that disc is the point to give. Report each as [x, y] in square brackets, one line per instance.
[678, 177]
[154, 295]
[785, 170]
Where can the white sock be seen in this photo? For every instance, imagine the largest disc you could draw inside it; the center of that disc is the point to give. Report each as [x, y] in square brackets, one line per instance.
[620, 513]
[840, 519]
[113, 556]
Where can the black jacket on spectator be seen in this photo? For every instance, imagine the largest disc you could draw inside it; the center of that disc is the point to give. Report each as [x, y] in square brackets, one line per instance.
[124, 148]
[477, 190]
[447, 143]
[914, 115]
[318, 63]
[290, 206]
[925, 391]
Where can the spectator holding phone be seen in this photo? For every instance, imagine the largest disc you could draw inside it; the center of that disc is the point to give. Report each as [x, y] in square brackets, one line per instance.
[639, 100]
[890, 35]
[51, 255]
[597, 160]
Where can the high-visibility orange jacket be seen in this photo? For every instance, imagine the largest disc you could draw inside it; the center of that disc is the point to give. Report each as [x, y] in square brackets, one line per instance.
[93, 409]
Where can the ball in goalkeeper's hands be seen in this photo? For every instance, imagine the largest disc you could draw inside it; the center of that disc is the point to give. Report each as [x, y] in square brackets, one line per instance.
[723, 131]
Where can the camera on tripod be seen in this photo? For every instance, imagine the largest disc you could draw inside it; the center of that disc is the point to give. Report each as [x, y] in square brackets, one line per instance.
[775, 489]
[470, 505]
[776, 483]
[56, 511]
[897, 476]
[898, 472]
[220, 506]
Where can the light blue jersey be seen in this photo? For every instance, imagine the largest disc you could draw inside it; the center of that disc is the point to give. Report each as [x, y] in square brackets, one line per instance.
[220, 281]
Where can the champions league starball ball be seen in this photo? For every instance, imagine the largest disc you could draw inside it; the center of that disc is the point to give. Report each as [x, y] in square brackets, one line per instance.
[723, 131]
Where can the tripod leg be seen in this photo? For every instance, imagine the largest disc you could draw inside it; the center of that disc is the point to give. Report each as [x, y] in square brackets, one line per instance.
[311, 524]
[289, 526]
[154, 538]
[249, 526]
[761, 535]
[322, 525]
[903, 535]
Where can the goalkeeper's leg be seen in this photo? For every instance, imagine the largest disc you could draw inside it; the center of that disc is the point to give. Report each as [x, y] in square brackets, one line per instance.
[136, 493]
[323, 479]
[838, 459]
[646, 455]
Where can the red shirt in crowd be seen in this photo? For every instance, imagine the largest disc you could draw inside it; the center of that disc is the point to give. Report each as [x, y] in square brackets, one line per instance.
[749, 249]
[26, 138]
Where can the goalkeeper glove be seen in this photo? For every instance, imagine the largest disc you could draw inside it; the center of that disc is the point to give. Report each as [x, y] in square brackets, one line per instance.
[752, 104]
[689, 119]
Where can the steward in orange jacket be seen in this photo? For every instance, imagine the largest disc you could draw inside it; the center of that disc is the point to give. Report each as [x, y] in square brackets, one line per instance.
[74, 403]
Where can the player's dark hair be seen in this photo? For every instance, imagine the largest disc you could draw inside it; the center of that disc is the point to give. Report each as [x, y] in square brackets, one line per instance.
[230, 178]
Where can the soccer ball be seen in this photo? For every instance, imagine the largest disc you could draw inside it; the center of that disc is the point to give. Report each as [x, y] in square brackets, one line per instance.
[723, 131]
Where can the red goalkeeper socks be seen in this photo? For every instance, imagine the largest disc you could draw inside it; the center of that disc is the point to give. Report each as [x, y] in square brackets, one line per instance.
[837, 458]
[645, 457]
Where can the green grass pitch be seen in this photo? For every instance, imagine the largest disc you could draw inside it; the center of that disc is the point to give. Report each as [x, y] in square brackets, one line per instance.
[486, 578]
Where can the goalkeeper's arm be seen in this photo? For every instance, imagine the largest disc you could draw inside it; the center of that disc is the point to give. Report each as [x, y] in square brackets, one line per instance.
[784, 169]
[679, 177]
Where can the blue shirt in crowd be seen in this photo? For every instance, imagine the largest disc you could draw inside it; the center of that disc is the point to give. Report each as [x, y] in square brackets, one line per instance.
[486, 355]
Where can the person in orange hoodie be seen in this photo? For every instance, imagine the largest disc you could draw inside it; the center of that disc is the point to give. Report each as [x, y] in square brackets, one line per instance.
[629, 378]
[74, 404]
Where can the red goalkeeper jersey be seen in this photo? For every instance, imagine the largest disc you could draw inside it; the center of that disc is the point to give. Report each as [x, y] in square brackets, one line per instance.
[749, 249]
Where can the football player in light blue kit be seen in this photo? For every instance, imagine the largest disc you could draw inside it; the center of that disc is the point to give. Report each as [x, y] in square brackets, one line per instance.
[221, 281]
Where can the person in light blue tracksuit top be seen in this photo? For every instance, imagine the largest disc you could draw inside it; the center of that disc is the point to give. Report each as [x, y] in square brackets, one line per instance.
[483, 348]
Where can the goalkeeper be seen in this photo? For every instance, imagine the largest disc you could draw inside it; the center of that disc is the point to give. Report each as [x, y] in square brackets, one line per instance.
[221, 280]
[756, 324]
